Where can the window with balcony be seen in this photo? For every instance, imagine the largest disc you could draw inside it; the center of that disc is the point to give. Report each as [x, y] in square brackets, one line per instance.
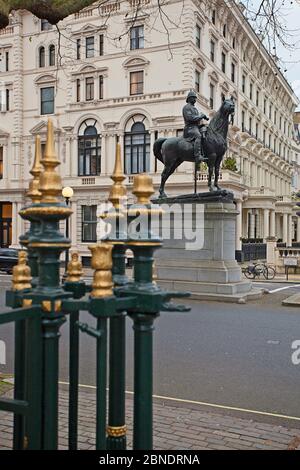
[90, 47]
[89, 150]
[137, 83]
[101, 44]
[89, 224]
[257, 97]
[101, 87]
[243, 121]
[78, 49]
[51, 55]
[211, 96]
[212, 50]
[137, 37]
[45, 25]
[47, 100]
[233, 72]
[213, 17]
[42, 57]
[89, 89]
[197, 81]
[198, 36]
[78, 90]
[223, 62]
[7, 92]
[244, 83]
[137, 149]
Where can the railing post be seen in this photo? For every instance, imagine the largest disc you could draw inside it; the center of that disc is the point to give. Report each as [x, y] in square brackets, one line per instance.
[116, 429]
[143, 246]
[101, 290]
[75, 285]
[49, 243]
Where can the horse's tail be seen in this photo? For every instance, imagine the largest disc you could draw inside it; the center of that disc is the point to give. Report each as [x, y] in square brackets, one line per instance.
[157, 149]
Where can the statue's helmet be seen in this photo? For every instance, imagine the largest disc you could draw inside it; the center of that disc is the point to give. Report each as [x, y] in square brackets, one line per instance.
[191, 94]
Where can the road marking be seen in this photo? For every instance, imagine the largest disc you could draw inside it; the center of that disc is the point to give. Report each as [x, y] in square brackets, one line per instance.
[212, 405]
[284, 288]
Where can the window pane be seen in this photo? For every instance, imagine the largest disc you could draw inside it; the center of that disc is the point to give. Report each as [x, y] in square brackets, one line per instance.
[90, 49]
[89, 153]
[137, 149]
[47, 100]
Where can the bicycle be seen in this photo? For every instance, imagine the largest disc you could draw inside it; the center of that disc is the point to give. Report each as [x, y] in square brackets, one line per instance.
[257, 269]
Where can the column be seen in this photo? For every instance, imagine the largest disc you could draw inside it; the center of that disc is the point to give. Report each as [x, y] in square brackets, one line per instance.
[289, 233]
[298, 229]
[238, 233]
[272, 224]
[266, 223]
[72, 163]
[252, 225]
[110, 153]
[285, 228]
[73, 225]
[14, 242]
[20, 222]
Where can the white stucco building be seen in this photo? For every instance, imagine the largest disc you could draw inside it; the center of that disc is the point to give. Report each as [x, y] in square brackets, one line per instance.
[110, 76]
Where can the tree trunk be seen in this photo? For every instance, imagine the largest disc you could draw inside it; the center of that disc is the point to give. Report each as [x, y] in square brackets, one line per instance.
[51, 10]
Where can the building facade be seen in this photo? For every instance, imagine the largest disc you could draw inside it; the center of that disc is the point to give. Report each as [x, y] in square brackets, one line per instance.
[114, 72]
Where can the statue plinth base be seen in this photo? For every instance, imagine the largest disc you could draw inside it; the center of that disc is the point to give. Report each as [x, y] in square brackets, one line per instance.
[207, 268]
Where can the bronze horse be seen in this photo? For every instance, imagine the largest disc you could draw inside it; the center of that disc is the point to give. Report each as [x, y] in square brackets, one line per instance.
[176, 150]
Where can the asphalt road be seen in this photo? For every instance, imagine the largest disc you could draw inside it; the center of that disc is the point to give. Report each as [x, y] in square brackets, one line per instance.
[226, 354]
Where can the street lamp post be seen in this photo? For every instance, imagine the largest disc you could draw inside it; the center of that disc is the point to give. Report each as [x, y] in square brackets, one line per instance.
[67, 194]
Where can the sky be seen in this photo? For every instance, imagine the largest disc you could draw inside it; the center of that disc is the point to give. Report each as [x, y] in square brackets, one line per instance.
[290, 59]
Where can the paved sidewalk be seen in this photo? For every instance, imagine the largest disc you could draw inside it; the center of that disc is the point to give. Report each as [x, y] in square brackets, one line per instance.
[176, 427]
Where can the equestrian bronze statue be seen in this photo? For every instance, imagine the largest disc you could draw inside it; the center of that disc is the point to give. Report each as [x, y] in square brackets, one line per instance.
[199, 142]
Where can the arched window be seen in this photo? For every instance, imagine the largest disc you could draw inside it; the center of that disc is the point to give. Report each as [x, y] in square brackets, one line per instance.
[89, 149]
[42, 57]
[52, 55]
[137, 149]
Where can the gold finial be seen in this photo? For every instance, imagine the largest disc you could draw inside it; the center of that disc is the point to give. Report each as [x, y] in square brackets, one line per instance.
[75, 270]
[21, 273]
[102, 264]
[118, 190]
[50, 180]
[34, 192]
[143, 188]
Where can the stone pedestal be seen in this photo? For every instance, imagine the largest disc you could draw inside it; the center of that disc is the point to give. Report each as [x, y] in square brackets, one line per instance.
[206, 267]
[271, 247]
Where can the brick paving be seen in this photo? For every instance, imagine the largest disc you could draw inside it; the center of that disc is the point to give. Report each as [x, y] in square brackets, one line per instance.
[176, 427]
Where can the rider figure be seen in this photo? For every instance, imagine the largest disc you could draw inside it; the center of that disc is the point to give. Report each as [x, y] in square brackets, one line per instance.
[192, 130]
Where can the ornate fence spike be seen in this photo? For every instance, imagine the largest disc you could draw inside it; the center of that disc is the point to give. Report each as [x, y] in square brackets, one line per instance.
[118, 191]
[50, 180]
[102, 264]
[34, 192]
[21, 279]
[75, 270]
[143, 188]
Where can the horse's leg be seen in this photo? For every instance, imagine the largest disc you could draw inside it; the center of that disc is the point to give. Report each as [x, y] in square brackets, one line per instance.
[217, 173]
[167, 172]
[164, 177]
[210, 174]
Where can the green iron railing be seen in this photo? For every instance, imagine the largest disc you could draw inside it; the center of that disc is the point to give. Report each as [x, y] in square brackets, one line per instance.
[41, 305]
